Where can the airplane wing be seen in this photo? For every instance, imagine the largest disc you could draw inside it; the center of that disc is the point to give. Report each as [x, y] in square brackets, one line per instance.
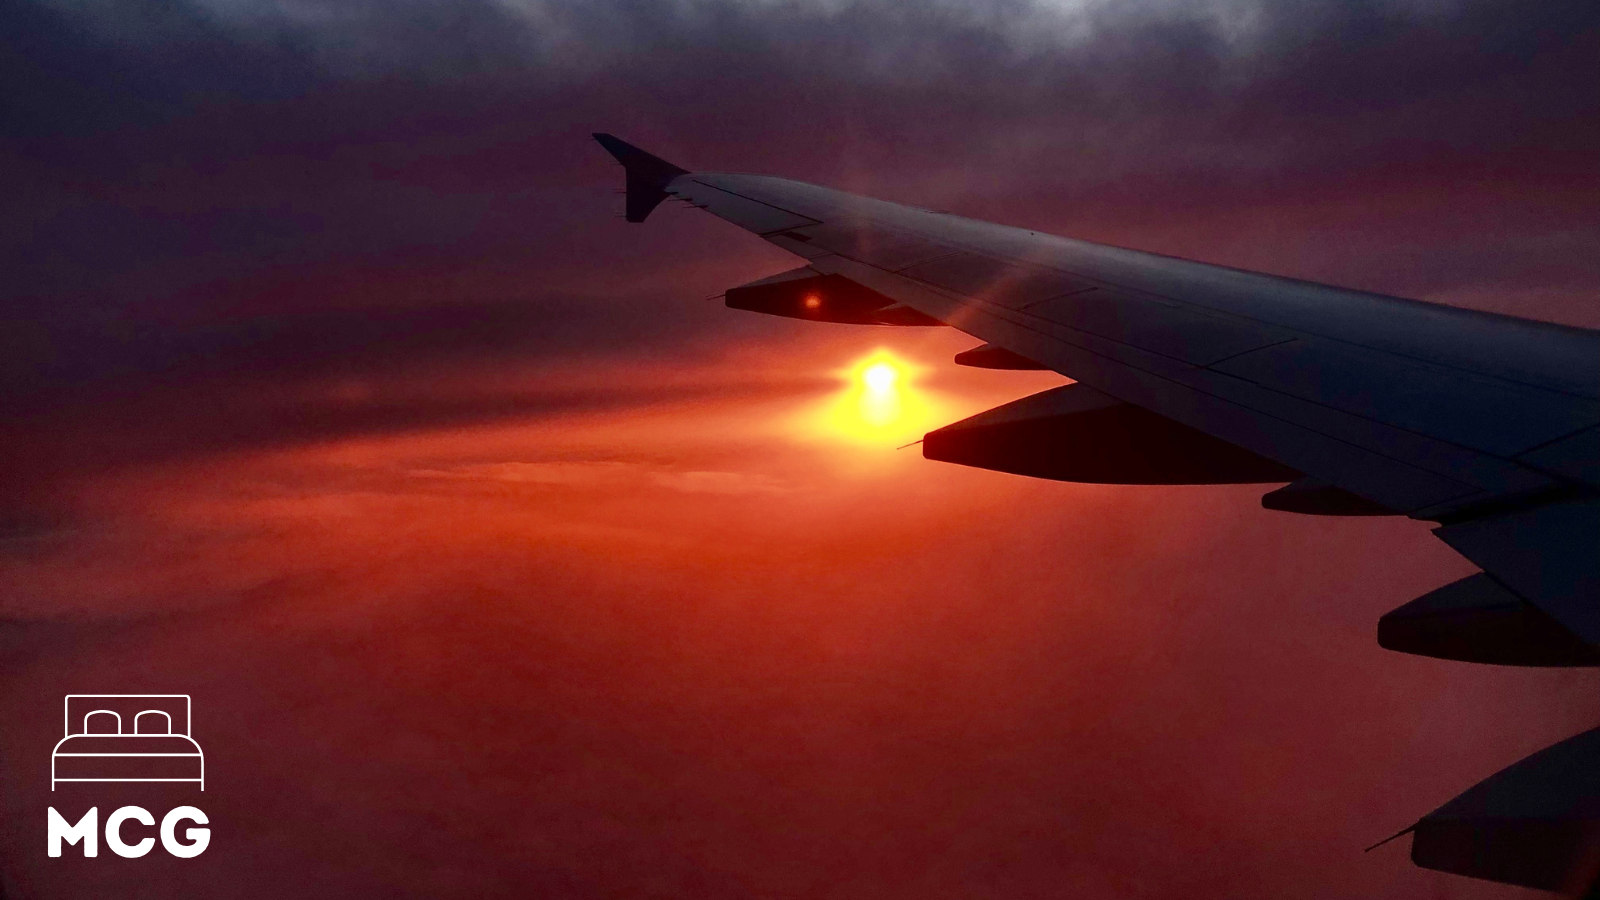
[1194, 373]
[1185, 372]
[1488, 425]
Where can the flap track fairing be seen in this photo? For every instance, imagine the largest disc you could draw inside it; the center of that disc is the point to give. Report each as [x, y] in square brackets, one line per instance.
[804, 293]
[1076, 433]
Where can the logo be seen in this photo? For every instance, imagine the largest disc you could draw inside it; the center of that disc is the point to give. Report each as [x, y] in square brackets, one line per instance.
[129, 738]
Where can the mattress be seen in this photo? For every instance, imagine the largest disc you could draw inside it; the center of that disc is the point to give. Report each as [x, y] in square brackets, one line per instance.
[128, 757]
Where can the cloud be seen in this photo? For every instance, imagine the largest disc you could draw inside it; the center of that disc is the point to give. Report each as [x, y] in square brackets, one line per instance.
[249, 225]
[724, 483]
[564, 473]
[609, 475]
[253, 138]
[596, 684]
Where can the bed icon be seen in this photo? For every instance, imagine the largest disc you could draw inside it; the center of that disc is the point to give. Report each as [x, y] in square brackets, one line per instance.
[127, 737]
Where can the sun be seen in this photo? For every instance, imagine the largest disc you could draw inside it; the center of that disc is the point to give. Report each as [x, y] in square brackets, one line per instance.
[879, 403]
[880, 377]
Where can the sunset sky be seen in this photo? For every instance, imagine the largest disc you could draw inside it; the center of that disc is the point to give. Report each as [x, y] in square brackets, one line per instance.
[501, 561]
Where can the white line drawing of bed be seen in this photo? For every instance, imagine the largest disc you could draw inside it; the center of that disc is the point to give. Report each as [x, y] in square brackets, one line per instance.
[127, 737]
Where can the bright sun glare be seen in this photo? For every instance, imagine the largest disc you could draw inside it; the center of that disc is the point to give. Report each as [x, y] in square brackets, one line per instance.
[879, 403]
[879, 377]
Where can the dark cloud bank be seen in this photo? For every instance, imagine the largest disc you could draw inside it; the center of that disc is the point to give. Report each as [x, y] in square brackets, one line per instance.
[220, 170]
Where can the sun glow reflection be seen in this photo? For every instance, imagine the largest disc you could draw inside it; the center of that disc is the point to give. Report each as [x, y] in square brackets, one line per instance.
[879, 403]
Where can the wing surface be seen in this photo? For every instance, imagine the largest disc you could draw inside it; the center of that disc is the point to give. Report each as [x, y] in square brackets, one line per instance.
[1486, 424]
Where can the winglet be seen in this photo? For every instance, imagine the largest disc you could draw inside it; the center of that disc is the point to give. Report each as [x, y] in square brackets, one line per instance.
[647, 176]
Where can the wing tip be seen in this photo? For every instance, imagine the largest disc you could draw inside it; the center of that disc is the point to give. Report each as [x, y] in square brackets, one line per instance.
[647, 175]
[635, 160]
